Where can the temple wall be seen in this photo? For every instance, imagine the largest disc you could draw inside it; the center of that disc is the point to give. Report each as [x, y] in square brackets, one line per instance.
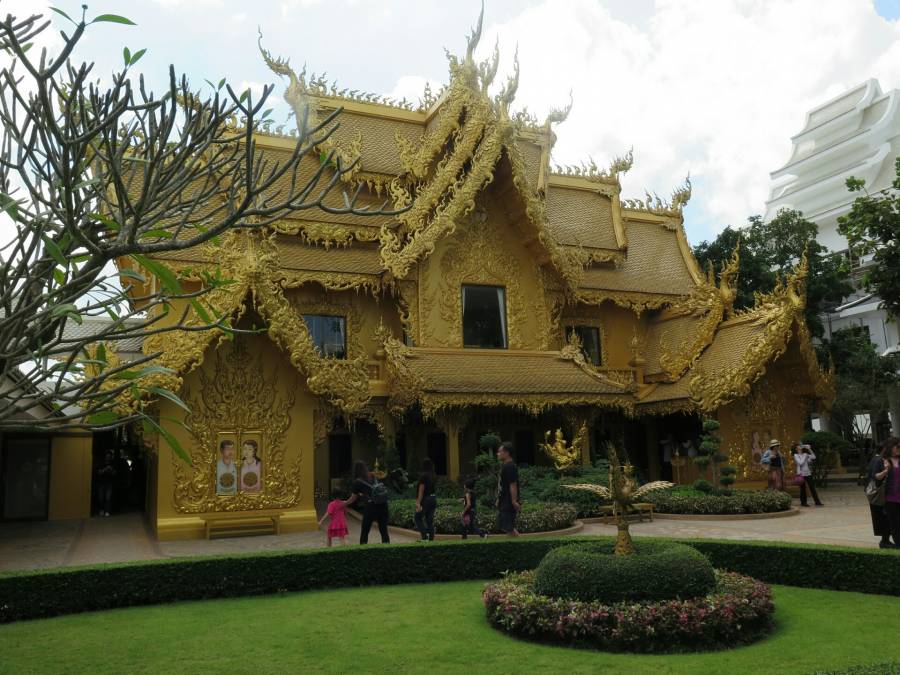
[771, 410]
[489, 253]
[246, 390]
[70, 477]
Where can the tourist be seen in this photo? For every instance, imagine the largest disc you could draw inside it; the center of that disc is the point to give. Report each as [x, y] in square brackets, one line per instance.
[106, 477]
[373, 497]
[470, 512]
[508, 505]
[773, 461]
[426, 501]
[880, 526]
[890, 474]
[337, 520]
[803, 457]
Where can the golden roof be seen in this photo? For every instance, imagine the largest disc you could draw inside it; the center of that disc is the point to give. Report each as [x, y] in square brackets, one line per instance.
[654, 264]
[581, 218]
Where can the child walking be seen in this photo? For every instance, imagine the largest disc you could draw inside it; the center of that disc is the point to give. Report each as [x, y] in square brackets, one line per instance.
[337, 524]
[469, 515]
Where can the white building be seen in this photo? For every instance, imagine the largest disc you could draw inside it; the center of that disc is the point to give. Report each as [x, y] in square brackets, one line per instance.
[855, 134]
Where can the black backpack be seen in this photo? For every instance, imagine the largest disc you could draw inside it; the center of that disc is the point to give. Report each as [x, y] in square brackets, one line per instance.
[379, 493]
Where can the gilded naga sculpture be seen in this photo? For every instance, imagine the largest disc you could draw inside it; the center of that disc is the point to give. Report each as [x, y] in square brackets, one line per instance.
[623, 490]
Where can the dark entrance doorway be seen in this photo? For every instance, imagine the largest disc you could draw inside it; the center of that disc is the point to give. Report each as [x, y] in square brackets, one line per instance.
[119, 481]
[25, 478]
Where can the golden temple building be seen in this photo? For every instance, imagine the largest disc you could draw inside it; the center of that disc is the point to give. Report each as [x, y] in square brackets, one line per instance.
[507, 297]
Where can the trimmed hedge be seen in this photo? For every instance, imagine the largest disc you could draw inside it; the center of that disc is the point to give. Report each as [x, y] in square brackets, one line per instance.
[67, 590]
[885, 668]
[738, 610]
[739, 502]
[534, 517]
[658, 571]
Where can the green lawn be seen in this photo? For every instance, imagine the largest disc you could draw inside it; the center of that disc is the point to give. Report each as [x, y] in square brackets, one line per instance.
[431, 628]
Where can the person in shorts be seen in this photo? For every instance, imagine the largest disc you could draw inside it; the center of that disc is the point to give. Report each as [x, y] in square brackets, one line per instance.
[508, 505]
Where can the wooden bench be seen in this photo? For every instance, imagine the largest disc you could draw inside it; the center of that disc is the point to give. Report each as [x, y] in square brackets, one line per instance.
[241, 524]
[636, 512]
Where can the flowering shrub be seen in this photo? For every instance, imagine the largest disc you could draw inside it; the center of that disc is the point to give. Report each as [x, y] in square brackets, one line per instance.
[737, 612]
[763, 501]
[534, 517]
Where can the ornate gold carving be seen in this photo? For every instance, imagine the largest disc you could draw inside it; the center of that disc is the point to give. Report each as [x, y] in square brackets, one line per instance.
[637, 302]
[563, 454]
[493, 265]
[327, 235]
[241, 398]
[533, 404]
[778, 312]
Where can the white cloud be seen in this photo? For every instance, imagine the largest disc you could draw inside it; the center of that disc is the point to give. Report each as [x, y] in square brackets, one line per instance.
[288, 7]
[716, 88]
[411, 87]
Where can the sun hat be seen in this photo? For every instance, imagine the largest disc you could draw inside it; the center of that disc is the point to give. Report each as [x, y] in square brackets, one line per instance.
[774, 442]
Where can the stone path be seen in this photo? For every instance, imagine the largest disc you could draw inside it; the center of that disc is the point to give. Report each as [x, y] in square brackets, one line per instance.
[844, 520]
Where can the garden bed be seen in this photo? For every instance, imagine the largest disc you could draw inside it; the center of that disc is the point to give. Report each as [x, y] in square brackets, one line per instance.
[535, 517]
[739, 611]
[687, 501]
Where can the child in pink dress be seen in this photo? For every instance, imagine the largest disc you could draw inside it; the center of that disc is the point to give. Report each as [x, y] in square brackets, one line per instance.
[337, 524]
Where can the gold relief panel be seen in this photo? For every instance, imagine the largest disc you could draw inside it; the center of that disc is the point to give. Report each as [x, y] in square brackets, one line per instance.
[239, 418]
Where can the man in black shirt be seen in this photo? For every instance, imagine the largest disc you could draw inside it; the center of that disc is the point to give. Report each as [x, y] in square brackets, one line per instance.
[508, 505]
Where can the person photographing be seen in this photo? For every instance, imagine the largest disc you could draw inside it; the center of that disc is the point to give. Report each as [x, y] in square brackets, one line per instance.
[803, 458]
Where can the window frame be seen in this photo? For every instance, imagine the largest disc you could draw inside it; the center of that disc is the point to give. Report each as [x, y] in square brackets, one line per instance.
[588, 322]
[504, 317]
[321, 351]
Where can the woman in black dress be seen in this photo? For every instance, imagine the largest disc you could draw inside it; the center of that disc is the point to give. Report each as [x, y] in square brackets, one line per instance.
[365, 492]
[426, 501]
[880, 526]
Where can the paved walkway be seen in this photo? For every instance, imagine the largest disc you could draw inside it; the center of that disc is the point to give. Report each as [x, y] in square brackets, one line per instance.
[844, 520]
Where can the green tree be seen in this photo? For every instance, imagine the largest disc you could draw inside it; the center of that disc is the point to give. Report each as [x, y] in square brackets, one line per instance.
[772, 249]
[873, 226]
[93, 175]
[862, 378]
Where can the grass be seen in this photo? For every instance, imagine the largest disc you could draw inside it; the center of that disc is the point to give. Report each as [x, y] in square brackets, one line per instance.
[438, 628]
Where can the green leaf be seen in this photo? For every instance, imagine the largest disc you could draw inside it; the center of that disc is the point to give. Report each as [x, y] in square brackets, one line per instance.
[131, 274]
[201, 310]
[157, 234]
[126, 55]
[113, 18]
[221, 83]
[244, 96]
[105, 220]
[103, 418]
[61, 13]
[55, 252]
[170, 440]
[164, 274]
[323, 157]
[101, 353]
[9, 205]
[137, 55]
[86, 183]
[59, 275]
[171, 396]
[67, 309]
[266, 113]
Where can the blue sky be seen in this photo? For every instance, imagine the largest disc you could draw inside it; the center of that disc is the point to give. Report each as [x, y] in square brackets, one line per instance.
[711, 88]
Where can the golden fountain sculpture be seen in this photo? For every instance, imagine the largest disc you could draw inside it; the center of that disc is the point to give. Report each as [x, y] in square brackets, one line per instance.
[623, 490]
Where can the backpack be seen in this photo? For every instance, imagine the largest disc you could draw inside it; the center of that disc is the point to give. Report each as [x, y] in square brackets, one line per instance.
[379, 493]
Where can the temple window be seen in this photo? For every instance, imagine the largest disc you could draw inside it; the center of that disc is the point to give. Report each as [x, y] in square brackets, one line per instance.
[328, 333]
[484, 317]
[590, 342]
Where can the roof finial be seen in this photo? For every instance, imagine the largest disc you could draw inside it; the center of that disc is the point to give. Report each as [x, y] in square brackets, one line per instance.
[487, 69]
[559, 115]
[681, 196]
[508, 93]
[473, 39]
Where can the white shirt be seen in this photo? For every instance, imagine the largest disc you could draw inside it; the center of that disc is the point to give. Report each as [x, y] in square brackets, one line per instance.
[802, 461]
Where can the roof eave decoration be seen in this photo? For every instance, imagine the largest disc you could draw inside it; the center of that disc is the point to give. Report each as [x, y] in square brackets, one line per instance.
[710, 304]
[443, 185]
[782, 314]
[253, 261]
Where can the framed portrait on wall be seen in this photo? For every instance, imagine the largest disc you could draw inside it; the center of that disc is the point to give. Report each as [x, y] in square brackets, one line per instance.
[227, 465]
[251, 463]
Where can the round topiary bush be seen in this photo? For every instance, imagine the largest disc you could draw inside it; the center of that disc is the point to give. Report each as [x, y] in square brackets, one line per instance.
[657, 571]
[738, 611]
